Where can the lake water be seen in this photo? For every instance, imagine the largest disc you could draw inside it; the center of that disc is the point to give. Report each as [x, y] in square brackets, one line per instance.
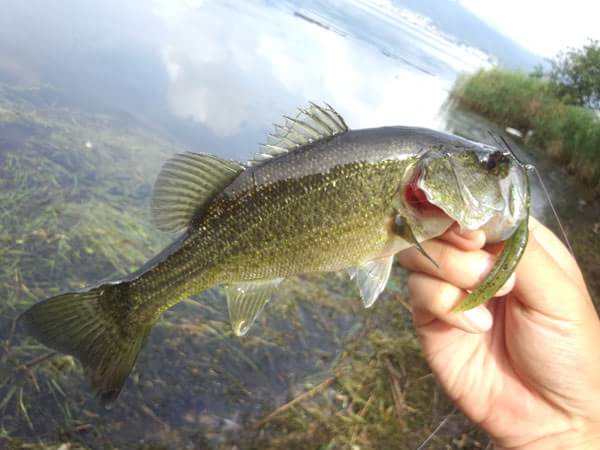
[94, 96]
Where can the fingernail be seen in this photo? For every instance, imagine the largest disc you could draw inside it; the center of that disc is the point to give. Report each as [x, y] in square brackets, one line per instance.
[480, 318]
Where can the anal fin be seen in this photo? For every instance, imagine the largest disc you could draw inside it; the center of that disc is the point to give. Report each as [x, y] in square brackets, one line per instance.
[246, 300]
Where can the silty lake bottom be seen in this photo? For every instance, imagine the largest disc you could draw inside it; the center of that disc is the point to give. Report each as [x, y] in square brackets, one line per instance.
[317, 370]
[75, 191]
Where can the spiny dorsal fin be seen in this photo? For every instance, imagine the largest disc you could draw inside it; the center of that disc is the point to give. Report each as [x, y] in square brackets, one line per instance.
[371, 278]
[246, 300]
[185, 184]
[310, 125]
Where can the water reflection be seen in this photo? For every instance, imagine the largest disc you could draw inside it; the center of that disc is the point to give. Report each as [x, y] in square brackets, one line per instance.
[215, 75]
[143, 80]
[235, 79]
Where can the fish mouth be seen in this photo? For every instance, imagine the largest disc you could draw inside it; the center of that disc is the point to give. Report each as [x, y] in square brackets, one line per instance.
[424, 205]
[418, 199]
[430, 197]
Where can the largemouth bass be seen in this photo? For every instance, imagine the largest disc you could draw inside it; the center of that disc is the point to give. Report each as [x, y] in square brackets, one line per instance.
[319, 198]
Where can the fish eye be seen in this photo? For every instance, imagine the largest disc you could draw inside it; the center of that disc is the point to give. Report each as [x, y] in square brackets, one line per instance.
[493, 160]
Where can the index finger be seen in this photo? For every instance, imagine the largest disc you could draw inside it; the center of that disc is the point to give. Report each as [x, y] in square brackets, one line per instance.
[465, 240]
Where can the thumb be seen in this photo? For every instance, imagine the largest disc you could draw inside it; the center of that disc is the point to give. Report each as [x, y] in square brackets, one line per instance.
[544, 286]
[557, 251]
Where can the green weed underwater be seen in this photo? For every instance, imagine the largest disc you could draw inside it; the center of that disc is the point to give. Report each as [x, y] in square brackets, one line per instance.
[325, 373]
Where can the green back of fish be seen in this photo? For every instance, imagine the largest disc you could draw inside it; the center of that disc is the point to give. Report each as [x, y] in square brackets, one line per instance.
[320, 198]
[317, 222]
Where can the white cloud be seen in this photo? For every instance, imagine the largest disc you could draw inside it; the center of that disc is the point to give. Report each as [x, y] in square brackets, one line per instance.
[544, 27]
[228, 73]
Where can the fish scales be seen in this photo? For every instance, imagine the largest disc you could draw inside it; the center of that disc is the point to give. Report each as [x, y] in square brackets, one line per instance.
[309, 224]
[319, 198]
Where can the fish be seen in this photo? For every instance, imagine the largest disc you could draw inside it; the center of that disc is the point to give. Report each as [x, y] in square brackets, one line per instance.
[318, 197]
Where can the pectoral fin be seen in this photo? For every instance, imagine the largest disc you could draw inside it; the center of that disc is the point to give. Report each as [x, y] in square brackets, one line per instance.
[246, 300]
[371, 278]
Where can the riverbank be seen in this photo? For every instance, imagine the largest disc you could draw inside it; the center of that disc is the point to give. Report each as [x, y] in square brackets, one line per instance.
[568, 134]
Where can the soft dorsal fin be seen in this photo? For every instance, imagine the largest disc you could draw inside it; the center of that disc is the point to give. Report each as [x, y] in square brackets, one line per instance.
[185, 184]
[246, 300]
[310, 125]
[371, 278]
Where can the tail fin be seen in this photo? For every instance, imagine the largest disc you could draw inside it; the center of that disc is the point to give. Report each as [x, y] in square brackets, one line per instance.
[84, 325]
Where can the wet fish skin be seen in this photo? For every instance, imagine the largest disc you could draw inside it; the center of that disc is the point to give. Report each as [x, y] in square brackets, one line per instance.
[309, 224]
[504, 266]
[321, 205]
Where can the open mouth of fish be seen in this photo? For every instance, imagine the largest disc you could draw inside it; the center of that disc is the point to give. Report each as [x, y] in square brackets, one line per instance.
[417, 198]
[510, 219]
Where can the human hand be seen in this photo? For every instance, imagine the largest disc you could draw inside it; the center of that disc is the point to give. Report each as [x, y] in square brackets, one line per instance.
[524, 367]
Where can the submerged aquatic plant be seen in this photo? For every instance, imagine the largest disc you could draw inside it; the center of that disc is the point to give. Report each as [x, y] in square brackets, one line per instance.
[324, 373]
[74, 192]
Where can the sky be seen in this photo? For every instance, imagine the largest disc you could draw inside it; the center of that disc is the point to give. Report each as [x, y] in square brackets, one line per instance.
[543, 27]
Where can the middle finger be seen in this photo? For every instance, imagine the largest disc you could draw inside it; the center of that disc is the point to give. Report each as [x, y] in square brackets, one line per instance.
[464, 269]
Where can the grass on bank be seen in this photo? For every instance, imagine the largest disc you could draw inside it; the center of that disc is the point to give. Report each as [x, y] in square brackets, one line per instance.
[569, 134]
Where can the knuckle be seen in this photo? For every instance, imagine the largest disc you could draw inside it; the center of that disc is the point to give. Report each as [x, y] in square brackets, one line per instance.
[413, 283]
[446, 298]
[446, 259]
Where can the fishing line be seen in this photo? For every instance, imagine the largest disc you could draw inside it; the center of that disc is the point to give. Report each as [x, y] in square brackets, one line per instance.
[512, 152]
[426, 442]
[560, 225]
[497, 141]
[532, 168]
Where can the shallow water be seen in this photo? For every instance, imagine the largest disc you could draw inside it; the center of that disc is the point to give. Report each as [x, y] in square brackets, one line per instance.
[91, 107]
